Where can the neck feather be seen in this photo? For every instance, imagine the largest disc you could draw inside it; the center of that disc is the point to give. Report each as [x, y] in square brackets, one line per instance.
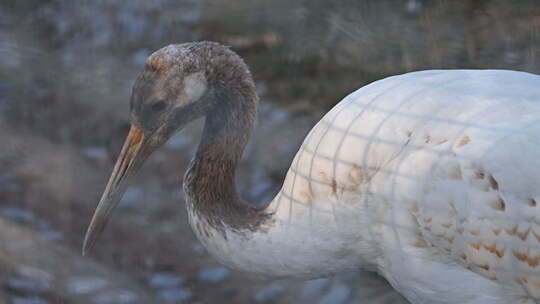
[209, 183]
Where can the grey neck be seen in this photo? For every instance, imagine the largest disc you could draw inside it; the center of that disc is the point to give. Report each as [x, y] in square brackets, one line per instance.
[209, 183]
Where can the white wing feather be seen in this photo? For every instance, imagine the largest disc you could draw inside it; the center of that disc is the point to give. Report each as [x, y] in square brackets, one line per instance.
[446, 160]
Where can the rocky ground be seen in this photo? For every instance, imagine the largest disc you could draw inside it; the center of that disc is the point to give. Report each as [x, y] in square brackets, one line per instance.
[148, 253]
[66, 72]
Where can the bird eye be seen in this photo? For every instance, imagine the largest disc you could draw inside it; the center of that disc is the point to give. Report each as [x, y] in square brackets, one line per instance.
[158, 106]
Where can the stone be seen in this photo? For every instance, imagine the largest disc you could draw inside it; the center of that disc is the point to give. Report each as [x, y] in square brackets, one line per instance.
[85, 284]
[34, 300]
[27, 286]
[174, 295]
[338, 294]
[269, 292]
[116, 296]
[95, 152]
[178, 141]
[133, 197]
[33, 273]
[213, 274]
[51, 235]
[165, 280]
[17, 214]
[315, 288]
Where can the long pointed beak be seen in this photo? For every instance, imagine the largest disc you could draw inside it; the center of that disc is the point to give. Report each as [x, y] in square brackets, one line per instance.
[132, 156]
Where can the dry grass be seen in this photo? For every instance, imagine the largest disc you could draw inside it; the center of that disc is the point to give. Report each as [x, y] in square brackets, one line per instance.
[324, 50]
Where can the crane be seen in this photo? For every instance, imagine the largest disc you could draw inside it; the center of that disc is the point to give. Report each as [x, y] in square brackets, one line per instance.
[429, 178]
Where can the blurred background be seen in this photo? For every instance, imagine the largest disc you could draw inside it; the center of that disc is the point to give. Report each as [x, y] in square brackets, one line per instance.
[66, 71]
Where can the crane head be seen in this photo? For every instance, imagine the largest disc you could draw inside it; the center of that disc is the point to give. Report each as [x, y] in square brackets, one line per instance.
[170, 92]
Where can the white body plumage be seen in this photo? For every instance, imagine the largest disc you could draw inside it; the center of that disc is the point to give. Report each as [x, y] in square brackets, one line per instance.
[430, 178]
